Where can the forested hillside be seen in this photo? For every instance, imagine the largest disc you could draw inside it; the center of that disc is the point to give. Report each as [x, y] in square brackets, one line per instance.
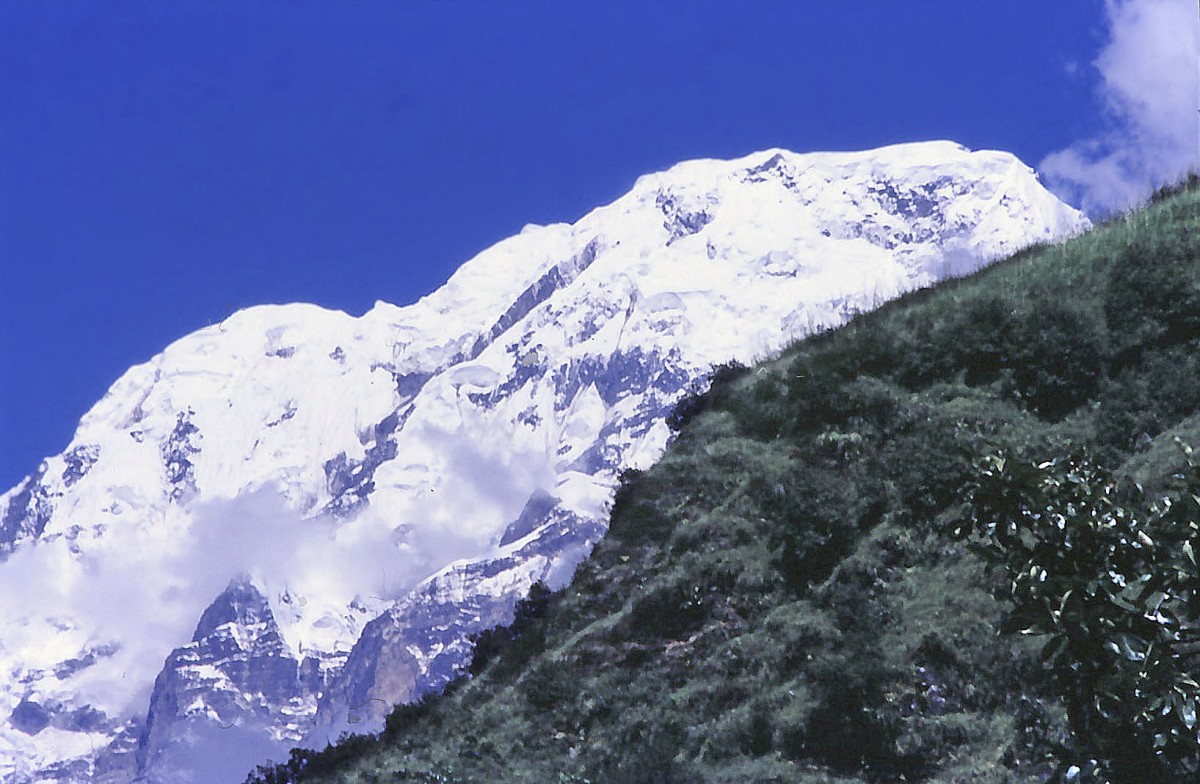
[808, 587]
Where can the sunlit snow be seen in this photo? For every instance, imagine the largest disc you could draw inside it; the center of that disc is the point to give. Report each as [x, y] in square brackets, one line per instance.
[351, 465]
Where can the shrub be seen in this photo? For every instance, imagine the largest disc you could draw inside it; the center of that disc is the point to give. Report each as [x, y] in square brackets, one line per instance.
[1151, 299]
[1057, 359]
[1112, 585]
[720, 381]
[985, 329]
[525, 628]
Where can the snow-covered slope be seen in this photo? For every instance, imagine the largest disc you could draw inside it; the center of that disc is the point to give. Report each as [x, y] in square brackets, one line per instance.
[284, 523]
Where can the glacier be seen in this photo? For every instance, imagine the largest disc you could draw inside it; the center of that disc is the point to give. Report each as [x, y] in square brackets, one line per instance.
[287, 522]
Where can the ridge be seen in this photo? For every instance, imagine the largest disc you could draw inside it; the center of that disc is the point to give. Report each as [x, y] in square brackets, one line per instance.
[351, 466]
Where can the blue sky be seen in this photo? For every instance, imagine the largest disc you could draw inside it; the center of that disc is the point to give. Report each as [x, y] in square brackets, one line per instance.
[163, 164]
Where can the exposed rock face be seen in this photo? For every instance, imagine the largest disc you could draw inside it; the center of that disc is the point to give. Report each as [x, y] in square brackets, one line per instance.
[362, 494]
[236, 674]
[421, 643]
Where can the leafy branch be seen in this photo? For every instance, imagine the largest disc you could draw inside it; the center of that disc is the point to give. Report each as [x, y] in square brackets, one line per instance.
[1110, 579]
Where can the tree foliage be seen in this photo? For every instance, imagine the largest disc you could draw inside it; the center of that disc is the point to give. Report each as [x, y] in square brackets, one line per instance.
[1109, 579]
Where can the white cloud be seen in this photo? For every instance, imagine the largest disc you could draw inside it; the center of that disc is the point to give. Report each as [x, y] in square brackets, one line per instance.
[138, 590]
[1150, 82]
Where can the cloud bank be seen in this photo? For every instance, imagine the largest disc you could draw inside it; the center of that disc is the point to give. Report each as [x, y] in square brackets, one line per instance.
[1151, 90]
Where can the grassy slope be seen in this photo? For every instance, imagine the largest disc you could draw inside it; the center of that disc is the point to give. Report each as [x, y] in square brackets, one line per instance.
[773, 601]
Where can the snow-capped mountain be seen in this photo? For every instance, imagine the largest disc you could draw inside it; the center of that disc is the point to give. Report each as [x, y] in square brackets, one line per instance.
[285, 523]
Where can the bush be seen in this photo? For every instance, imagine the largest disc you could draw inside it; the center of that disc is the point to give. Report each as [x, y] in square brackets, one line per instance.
[669, 612]
[407, 715]
[549, 684]
[1057, 359]
[1110, 581]
[986, 329]
[720, 381]
[1152, 299]
[524, 629]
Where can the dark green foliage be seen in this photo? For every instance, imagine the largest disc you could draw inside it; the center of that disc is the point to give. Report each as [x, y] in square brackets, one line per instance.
[492, 642]
[638, 513]
[1043, 352]
[668, 612]
[1141, 402]
[1056, 359]
[847, 730]
[986, 330]
[407, 715]
[1152, 300]
[1110, 581]
[303, 765]
[696, 402]
[548, 685]
[776, 601]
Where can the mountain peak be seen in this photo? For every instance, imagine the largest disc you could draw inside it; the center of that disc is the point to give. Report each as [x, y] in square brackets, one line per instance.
[394, 482]
[240, 603]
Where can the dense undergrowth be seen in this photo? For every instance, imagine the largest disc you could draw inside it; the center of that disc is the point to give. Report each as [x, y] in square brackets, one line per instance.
[777, 600]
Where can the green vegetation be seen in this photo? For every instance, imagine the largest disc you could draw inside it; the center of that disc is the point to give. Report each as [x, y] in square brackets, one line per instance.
[1110, 581]
[783, 596]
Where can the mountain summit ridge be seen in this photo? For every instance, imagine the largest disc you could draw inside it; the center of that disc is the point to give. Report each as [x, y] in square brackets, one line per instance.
[391, 483]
